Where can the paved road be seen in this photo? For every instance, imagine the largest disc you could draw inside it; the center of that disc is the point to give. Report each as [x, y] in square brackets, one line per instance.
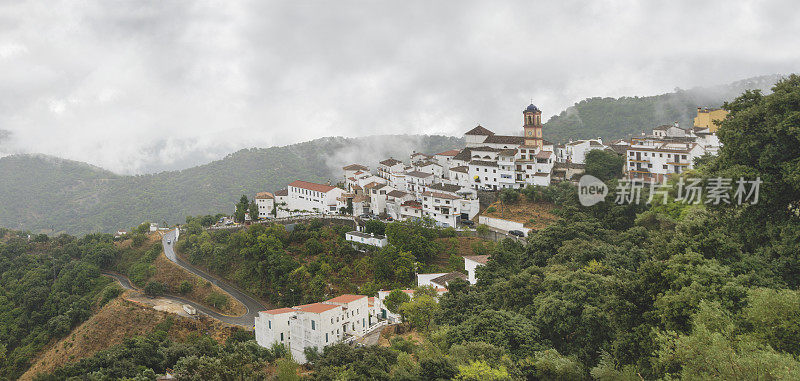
[235, 320]
[252, 305]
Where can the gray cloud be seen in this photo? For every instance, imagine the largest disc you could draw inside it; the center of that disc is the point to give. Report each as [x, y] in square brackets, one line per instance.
[137, 87]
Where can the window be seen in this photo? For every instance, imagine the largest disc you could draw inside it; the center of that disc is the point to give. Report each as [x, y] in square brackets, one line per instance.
[313, 325]
[665, 166]
[281, 336]
[326, 337]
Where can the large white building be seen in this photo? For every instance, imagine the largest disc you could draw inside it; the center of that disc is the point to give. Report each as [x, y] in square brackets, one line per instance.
[668, 150]
[342, 318]
[308, 197]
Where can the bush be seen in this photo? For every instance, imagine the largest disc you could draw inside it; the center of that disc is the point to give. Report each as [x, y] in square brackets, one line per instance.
[185, 287]
[154, 288]
[217, 300]
[138, 239]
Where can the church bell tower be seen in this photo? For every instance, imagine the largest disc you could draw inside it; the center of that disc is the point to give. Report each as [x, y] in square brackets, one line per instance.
[533, 126]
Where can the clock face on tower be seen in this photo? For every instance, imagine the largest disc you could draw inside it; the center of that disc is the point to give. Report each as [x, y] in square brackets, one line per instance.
[530, 132]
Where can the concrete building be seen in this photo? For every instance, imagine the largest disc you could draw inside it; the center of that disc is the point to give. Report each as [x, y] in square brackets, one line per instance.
[366, 239]
[471, 263]
[266, 204]
[342, 318]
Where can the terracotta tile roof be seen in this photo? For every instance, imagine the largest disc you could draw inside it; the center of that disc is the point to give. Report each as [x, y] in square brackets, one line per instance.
[316, 308]
[264, 195]
[391, 162]
[445, 187]
[440, 195]
[443, 280]
[483, 259]
[483, 163]
[346, 298]
[282, 192]
[419, 174]
[541, 174]
[508, 152]
[544, 154]
[371, 301]
[311, 186]
[594, 143]
[462, 169]
[485, 149]
[353, 167]
[451, 152]
[278, 311]
[479, 130]
[464, 155]
[412, 204]
[503, 139]
[397, 193]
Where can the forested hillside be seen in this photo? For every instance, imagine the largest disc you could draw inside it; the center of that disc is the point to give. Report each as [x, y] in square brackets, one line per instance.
[45, 194]
[619, 118]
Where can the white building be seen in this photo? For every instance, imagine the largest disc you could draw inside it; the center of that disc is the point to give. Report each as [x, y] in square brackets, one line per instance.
[390, 166]
[266, 204]
[416, 181]
[315, 325]
[471, 263]
[308, 197]
[439, 280]
[383, 313]
[366, 239]
[575, 152]
[350, 170]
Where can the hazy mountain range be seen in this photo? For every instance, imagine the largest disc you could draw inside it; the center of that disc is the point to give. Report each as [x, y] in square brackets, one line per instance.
[47, 194]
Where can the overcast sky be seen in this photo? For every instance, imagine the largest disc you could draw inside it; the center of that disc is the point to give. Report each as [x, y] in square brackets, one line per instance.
[136, 88]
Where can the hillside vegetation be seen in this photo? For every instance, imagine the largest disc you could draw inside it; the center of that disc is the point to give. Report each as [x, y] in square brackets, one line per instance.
[619, 118]
[45, 194]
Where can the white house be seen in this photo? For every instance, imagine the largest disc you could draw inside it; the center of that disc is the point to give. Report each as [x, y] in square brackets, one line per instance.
[416, 181]
[266, 204]
[311, 197]
[576, 151]
[653, 159]
[439, 280]
[471, 262]
[366, 239]
[443, 208]
[389, 166]
[380, 307]
[317, 325]
[350, 170]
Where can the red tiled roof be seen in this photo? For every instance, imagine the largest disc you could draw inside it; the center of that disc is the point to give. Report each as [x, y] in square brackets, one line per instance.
[346, 298]
[264, 195]
[413, 204]
[282, 192]
[316, 308]
[543, 154]
[353, 167]
[311, 186]
[391, 162]
[441, 195]
[451, 152]
[278, 311]
[478, 258]
[479, 130]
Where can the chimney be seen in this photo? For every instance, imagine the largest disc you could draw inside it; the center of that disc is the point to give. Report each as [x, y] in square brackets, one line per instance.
[699, 109]
[676, 123]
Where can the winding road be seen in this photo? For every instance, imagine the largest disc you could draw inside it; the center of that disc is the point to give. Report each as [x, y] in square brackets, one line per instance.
[252, 305]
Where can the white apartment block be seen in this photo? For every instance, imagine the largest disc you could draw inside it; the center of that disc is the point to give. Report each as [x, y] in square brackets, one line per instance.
[350, 170]
[266, 204]
[390, 166]
[307, 197]
[342, 318]
[416, 181]
[654, 160]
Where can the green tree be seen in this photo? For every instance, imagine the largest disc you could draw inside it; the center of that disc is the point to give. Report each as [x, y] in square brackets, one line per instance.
[420, 312]
[252, 208]
[217, 300]
[604, 164]
[395, 300]
[375, 227]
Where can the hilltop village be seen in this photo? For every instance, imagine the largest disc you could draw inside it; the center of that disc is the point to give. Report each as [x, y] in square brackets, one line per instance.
[443, 188]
